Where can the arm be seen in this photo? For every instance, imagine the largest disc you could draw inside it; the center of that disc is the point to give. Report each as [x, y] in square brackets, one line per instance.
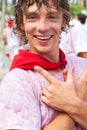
[61, 122]
[80, 110]
[82, 54]
[80, 114]
[66, 96]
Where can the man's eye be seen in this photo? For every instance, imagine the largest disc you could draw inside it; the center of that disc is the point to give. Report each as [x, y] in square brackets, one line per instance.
[52, 17]
[31, 17]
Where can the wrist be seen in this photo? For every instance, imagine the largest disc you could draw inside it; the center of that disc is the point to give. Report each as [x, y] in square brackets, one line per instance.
[75, 106]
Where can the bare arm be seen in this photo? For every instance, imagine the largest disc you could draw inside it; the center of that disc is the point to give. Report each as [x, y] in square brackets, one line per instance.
[80, 111]
[61, 122]
[83, 54]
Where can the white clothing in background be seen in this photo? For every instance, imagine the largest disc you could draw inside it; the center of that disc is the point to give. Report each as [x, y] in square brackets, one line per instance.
[75, 40]
[12, 39]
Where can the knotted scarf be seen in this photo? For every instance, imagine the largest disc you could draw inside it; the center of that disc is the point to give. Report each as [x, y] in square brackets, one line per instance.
[26, 60]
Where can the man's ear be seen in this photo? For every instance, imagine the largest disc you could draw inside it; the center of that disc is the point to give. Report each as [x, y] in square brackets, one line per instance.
[62, 28]
[22, 27]
[63, 25]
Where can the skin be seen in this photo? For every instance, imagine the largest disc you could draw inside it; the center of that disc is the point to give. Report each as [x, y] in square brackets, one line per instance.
[61, 122]
[35, 27]
[83, 54]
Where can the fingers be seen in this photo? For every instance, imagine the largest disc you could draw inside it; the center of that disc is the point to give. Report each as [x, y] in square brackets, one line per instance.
[46, 75]
[65, 74]
[70, 73]
[69, 76]
[44, 99]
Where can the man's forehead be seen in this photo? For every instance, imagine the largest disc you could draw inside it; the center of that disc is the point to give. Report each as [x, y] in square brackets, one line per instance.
[34, 8]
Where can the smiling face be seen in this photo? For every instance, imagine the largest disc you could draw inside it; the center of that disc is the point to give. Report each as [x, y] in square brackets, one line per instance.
[43, 27]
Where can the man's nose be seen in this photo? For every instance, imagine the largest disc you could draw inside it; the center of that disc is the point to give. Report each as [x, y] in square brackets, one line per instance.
[43, 25]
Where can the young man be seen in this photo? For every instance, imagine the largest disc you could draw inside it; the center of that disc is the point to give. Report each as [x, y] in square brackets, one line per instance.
[41, 24]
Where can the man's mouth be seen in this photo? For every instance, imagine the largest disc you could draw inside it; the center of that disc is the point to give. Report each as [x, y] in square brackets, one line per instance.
[43, 37]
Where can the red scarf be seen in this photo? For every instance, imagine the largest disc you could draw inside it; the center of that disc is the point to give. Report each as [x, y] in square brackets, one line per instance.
[27, 60]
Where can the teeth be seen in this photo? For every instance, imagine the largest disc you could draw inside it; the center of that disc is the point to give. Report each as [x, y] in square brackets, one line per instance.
[44, 38]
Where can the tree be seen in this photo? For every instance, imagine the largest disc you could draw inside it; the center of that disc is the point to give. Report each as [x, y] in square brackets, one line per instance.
[84, 3]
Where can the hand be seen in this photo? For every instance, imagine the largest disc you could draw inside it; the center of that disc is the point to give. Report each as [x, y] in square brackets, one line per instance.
[57, 94]
[80, 84]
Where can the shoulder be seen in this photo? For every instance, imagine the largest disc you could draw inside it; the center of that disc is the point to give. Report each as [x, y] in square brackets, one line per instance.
[17, 75]
[77, 62]
[22, 79]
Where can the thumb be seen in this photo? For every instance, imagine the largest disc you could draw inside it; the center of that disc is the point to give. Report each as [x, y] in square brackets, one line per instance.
[69, 75]
[83, 76]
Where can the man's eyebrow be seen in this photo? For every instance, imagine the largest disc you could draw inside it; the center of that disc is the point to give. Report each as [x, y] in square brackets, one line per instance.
[28, 11]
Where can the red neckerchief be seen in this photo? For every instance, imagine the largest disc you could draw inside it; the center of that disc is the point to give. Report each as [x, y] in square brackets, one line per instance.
[26, 60]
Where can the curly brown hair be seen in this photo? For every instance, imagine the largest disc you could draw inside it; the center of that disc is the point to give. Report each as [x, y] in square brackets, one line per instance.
[22, 6]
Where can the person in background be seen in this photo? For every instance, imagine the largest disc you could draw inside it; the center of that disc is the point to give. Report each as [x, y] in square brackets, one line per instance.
[21, 92]
[8, 36]
[11, 40]
[74, 41]
[82, 19]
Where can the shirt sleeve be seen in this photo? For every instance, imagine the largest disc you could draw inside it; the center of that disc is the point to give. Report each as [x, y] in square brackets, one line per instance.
[19, 107]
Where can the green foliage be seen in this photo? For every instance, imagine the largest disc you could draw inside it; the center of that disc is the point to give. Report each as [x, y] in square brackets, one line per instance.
[12, 10]
[0, 7]
[75, 9]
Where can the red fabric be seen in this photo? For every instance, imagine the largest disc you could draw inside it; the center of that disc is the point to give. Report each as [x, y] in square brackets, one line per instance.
[27, 60]
[10, 23]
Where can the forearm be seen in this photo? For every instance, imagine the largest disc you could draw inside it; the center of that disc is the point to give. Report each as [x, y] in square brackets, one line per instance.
[79, 113]
[61, 122]
[83, 54]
